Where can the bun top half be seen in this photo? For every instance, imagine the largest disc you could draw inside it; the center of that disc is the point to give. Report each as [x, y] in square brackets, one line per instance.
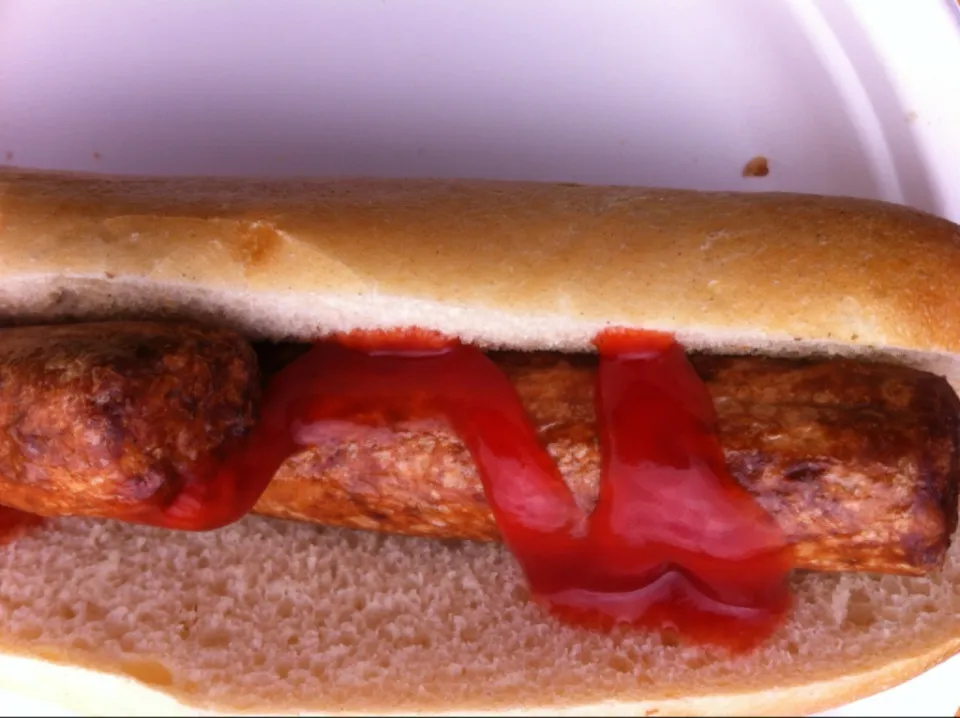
[503, 264]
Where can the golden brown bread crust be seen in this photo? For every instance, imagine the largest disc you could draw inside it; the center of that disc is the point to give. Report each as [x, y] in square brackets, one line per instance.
[856, 462]
[104, 419]
[508, 264]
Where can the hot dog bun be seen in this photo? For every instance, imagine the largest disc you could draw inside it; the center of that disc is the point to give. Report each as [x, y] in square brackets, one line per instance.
[277, 616]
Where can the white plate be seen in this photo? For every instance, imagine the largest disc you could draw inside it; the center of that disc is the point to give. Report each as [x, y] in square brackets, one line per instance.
[858, 97]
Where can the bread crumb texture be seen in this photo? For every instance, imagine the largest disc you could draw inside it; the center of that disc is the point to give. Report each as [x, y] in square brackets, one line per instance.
[281, 616]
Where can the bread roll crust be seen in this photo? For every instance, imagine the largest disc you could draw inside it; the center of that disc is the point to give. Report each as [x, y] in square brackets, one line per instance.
[509, 264]
[279, 616]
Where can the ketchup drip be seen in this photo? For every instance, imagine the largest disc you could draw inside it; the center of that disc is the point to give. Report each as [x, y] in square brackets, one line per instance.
[217, 490]
[674, 541]
[222, 488]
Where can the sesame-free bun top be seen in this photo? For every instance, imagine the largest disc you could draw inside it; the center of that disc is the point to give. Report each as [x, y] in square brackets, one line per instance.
[266, 615]
[525, 265]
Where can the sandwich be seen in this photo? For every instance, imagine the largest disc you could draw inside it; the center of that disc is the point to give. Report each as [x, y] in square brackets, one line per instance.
[372, 446]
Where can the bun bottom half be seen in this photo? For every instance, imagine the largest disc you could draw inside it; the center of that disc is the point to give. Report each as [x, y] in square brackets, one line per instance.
[281, 617]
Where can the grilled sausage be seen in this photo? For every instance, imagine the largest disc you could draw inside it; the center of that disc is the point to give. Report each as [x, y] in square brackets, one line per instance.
[102, 419]
[857, 462]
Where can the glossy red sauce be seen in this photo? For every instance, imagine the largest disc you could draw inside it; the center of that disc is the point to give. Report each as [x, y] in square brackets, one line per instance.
[673, 542]
[224, 487]
[673, 535]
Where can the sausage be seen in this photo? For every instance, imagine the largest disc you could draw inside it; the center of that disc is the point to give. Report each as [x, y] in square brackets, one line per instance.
[857, 462]
[100, 419]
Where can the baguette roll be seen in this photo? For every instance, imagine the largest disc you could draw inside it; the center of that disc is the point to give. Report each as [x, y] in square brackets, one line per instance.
[278, 616]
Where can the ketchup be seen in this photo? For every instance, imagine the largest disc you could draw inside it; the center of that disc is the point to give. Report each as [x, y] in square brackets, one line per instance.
[218, 490]
[223, 487]
[674, 542]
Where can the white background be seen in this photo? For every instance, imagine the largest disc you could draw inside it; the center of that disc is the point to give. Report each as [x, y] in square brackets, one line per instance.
[858, 97]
